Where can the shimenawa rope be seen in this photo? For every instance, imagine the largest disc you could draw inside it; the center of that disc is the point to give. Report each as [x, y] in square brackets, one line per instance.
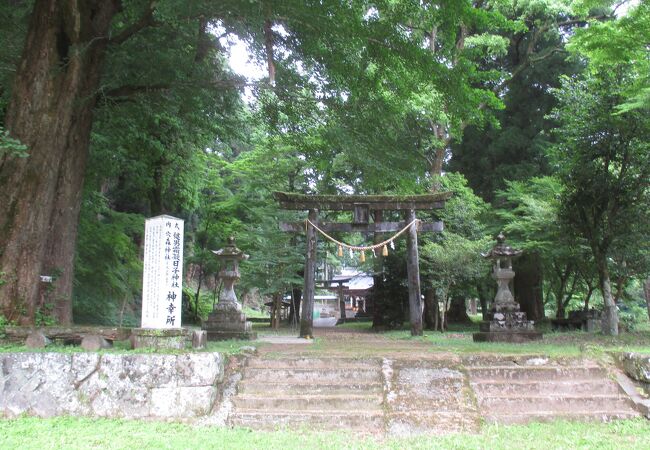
[362, 248]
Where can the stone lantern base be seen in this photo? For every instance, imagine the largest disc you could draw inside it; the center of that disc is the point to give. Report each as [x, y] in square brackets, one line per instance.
[227, 324]
[507, 326]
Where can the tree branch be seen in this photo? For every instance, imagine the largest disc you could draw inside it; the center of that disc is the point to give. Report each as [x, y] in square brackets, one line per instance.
[146, 20]
[129, 90]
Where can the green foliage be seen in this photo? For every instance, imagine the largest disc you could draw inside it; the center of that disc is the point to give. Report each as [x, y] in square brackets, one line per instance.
[3, 323]
[632, 316]
[11, 147]
[530, 213]
[603, 160]
[13, 25]
[108, 274]
[621, 42]
[530, 217]
[452, 260]
[513, 147]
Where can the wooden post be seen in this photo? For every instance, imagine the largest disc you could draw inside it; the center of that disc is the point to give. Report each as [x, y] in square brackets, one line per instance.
[307, 316]
[341, 302]
[413, 270]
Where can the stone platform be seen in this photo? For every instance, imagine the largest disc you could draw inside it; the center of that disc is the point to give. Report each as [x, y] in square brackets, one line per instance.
[507, 326]
[224, 324]
[159, 339]
[507, 336]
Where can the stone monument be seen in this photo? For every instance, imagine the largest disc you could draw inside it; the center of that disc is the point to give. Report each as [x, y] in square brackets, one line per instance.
[162, 285]
[506, 323]
[227, 321]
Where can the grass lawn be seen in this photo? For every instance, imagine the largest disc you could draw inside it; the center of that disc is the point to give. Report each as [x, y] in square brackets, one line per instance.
[75, 433]
[458, 339]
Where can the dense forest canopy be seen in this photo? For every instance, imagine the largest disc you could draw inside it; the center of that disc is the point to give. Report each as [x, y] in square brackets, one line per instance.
[534, 113]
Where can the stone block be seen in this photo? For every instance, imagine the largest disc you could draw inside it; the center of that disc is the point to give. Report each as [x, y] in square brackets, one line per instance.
[164, 402]
[248, 350]
[228, 324]
[199, 339]
[217, 335]
[94, 342]
[160, 339]
[36, 339]
[154, 370]
[199, 369]
[507, 336]
[195, 401]
[636, 366]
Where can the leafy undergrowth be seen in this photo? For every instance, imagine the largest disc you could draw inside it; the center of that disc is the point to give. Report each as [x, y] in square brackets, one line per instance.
[77, 433]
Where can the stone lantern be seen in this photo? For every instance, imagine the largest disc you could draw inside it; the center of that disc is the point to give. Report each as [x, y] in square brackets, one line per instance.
[227, 321]
[506, 322]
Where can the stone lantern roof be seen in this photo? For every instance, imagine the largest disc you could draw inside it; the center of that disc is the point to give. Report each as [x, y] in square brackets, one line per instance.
[230, 251]
[501, 249]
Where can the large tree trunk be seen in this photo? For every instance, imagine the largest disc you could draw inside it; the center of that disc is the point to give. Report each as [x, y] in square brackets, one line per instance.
[431, 310]
[610, 314]
[51, 112]
[528, 284]
[458, 311]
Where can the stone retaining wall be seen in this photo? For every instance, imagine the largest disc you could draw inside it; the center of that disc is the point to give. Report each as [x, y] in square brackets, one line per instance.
[636, 366]
[109, 385]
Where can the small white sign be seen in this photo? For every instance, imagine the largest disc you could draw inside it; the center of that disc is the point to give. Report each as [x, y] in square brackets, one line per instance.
[163, 272]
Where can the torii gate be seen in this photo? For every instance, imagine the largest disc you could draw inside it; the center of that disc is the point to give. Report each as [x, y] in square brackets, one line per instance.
[362, 205]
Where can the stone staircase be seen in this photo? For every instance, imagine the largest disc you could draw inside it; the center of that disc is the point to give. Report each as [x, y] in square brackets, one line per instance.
[318, 393]
[409, 396]
[521, 391]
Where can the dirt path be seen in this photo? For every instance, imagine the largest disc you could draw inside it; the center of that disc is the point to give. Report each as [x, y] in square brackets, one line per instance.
[357, 344]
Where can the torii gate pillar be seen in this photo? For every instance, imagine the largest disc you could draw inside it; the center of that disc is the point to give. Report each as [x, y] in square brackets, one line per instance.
[307, 314]
[413, 274]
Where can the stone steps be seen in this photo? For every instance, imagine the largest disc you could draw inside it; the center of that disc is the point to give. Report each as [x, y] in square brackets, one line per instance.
[551, 416]
[512, 394]
[309, 402]
[403, 396]
[313, 420]
[546, 387]
[318, 393]
[525, 403]
[538, 373]
[333, 388]
[314, 363]
[427, 421]
[299, 374]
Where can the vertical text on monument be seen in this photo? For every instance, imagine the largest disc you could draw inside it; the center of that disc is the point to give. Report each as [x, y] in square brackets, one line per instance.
[163, 272]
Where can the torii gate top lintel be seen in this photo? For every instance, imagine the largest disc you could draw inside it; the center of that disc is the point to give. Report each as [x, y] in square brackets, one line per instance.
[374, 202]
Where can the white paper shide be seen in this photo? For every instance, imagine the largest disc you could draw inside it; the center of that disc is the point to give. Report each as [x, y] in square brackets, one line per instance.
[163, 272]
